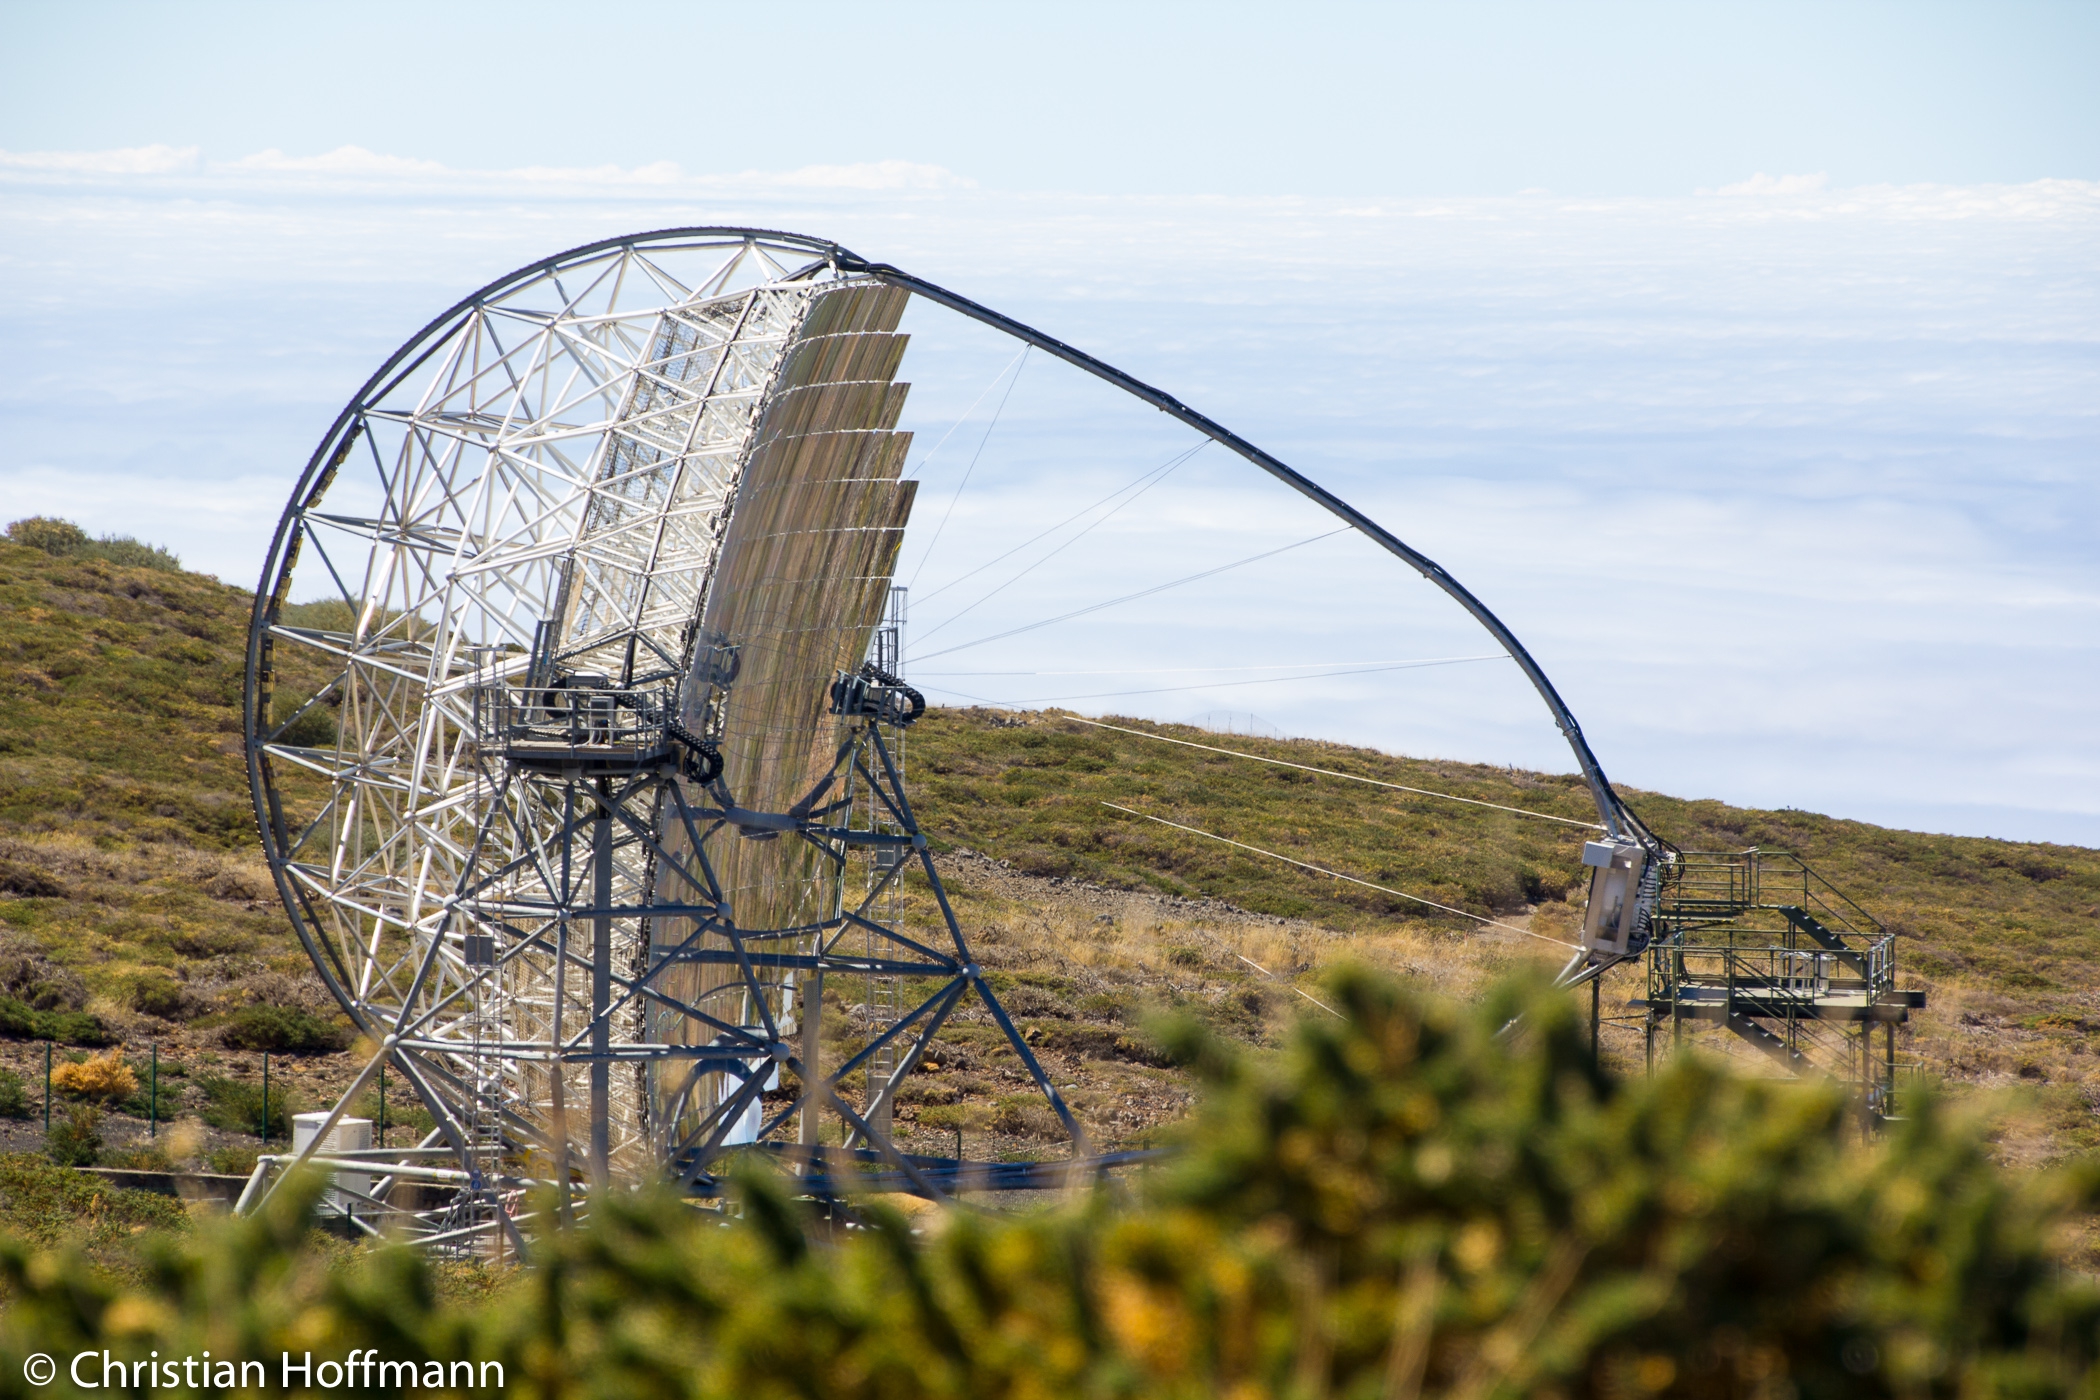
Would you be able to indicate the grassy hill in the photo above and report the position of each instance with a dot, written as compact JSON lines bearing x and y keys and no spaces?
{"x":132,"y":890}
{"x":129,"y":870}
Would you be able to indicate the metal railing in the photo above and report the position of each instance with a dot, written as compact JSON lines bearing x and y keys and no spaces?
{"x":1716,"y":885}
{"x":1773,"y":973}
{"x":573,"y":720}
{"x":1760,"y":923}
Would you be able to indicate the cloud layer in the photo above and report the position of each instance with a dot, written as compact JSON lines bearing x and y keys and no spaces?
{"x":355,"y":163}
{"x":1790,"y":487}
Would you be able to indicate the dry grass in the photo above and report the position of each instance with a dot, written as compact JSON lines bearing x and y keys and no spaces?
{"x":1088,"y":973}
{"x":130,"y":884}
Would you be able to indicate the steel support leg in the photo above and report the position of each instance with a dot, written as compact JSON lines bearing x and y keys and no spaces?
{"x":813,"y":1061}
{"x":1596,"y":1010}
{"x":601,"y":992}
{"x":1888,"y":1089}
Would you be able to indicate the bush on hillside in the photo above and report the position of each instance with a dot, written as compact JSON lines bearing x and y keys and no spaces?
{"x":76,"y":1140}
{"x":39,"y":983}
{"x":68,"y":541}
{"x":158,"y":994}
{"x":285,"y":1030}
{"x":232,"y":1161}
{"x":104,"y":1078}
{"x":321,"y":614}
{"x":22,"y":1022}
{"x":311,"y":728}
{"x":238,"y":1108}
{"x":144,"y":1157}
{"x":52,"y":535}
{"x":14,"y":1096}
{"x":28,"y":882}
{"x":1407,"y":1203}
{"x":56,"y":1206}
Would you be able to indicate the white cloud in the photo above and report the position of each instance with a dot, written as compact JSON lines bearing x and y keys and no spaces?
{"x":1838,"y":435}
{"x":871,"y":175}
{"x":127,"y":160}
{"x":358,"y":164}
{"x":343,"y":160}
{"x":662,"y":172}
{"x":1761,"y":183}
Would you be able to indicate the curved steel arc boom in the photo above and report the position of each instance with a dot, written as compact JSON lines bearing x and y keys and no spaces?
{"x":1618,"y":819}
{"x":533,"y":492}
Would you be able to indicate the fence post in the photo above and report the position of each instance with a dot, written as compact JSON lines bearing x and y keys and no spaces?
{"x":265,"y":1133}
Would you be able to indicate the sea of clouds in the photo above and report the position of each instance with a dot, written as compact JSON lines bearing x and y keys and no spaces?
{"x":1791,"y":489}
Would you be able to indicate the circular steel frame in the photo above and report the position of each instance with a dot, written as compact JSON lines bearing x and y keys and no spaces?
{"x":820,"y":259}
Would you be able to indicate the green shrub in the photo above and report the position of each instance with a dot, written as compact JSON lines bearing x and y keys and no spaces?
{"x":76,"y":1140}
{"x":133,"y":554}
{"x":22,"y":1022}
{"x":68,"y":541}
{"x":945,"y":1115}
{"x":57,"y":1206}
{"x":28,"y":882}
{"x":161,"y":1102}
{"x":52,"y":535}
{"x":238,"y":1107}
{"x":31,"y":978}
{"x":14,"y":1096}
{"x":284,"y":1029}
{"x":157,"y":994}
{"x":313,"y":728}
{"x":147,"y":1157}
{"x":404,"y":1121}
{"x":233,"y":1161}
{"x":1026,"y":1115}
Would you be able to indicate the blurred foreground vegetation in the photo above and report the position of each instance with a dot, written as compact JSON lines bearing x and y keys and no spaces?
{"x":1406,"y":1201}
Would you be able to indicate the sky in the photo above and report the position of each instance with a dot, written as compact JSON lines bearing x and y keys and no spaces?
{"x":1742,"y":358}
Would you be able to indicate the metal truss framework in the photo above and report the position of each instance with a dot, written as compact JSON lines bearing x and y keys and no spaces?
{"x":537,"y":487}
{"x":1759,"y":943}
{"x":535,"y":491}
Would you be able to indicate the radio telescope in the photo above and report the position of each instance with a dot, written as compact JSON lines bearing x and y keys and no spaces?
{"x":618,"y":714}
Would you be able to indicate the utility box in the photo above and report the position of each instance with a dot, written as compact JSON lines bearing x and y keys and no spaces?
{"x":1616,"y":868}
{"x":348,"y":1135}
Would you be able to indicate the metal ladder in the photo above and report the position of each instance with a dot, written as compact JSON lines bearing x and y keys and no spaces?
{"x":484,"y":1117}
{"x":884,"y":995}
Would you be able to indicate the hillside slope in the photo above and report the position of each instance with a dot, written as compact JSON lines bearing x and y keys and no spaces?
{"x":128,"y":855}
{"x":132,"y":889}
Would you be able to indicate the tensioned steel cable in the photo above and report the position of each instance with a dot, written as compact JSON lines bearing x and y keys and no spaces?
{"x":1133,"y":597}
{"x":1609,"y":805}
{"x":1332,"y":773}
{"x":971,"y":470}
{"x":1119,"y":508}
{"x":1202,"y":670}
{"x":1145,"y":480}
{"x":927,"y":460}
{"x":1223,"y":685}
{"x":1351,"y":879}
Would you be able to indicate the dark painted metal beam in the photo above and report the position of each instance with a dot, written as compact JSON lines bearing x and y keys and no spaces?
{"x":1617,"y":818}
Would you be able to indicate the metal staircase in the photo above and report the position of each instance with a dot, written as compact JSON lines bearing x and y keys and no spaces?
{"x":1759,"y":943}
{"x":885,"y":889}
